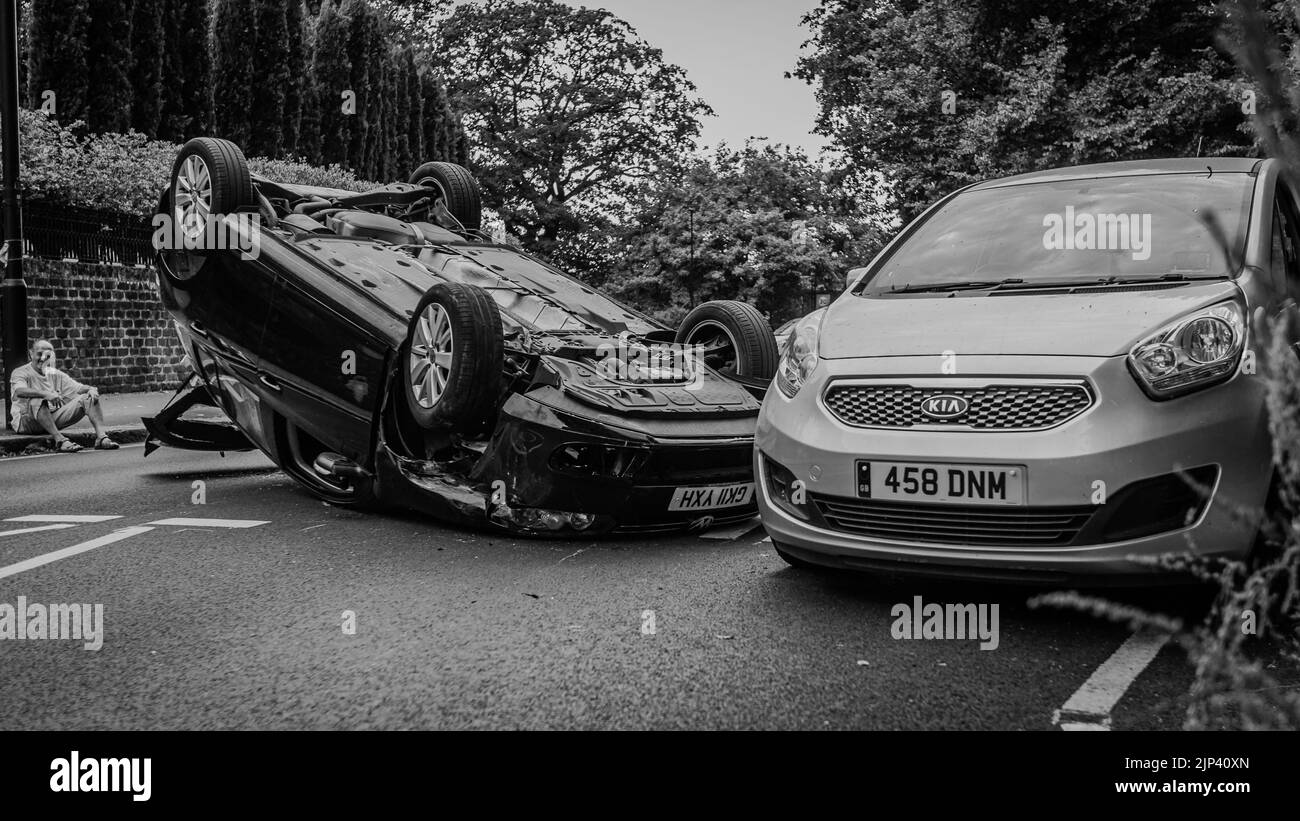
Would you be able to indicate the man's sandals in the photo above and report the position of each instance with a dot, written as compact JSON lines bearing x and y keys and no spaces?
{"x":69,"y":446}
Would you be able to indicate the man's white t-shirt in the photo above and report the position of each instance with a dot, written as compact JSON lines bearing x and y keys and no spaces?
{"x":28,"y":377}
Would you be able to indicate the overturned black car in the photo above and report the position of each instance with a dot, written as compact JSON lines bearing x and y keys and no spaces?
{"x":382,"y":350}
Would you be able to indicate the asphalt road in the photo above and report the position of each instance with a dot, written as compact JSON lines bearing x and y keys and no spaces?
{"x":243,"y":628}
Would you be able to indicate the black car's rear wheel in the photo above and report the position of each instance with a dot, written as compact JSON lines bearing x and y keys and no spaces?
{"x":458,"y":189}
{"x":210,"y":179}
{"x":735,"y":338}
{"x":453,"y":357}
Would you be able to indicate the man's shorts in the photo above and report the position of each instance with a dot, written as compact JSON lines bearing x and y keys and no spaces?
{"x":65,"y":415}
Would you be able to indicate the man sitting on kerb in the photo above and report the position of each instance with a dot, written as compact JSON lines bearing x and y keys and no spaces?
{"x":43,"y":399}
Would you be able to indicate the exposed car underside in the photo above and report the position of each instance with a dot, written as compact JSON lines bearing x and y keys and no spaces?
{"x":404,"y":358}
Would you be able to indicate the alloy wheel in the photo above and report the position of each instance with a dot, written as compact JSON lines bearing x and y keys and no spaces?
{"x":193,"y":196}
{"x":430,"y":355}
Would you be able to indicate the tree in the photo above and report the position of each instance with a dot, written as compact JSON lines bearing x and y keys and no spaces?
{"x":234,"y":33}
{"x":192,"y":116}
{"x":1264,"y":41}
{"x":375,"y":99}
{"x":108,"y":87}
{"x":413,"y":22}
{"x":391,"y":114}
{"x":564,"y":106}
{"x":171,"y":106}
{"x":400,"y":120}
{"x":365,"y":71}
{"x":459,"y":140}
{"x":332,"y":74}
{"x":937,"y":93}
{"x":436,"y":113}
{"x":763,"y":224}
{"x":309,"y":135}
{"x":295,"y":85}
{"x":270,"y":67}
{"x":57,"y":56}
{"x":149,"y":45}
{"x":414,"y":113}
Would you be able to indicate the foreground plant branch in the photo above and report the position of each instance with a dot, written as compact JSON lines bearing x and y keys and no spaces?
{"x":1257,"y":607}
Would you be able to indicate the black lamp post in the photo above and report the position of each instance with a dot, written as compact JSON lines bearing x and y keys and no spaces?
{"x":13,"y":290}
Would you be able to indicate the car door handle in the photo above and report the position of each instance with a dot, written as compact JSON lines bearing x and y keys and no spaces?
{"x":269,"y":382}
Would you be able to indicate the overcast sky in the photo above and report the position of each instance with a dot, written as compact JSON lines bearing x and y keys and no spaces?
{"x":736,"y":52}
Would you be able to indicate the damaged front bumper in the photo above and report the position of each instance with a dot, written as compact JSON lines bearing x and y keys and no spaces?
{"x":552,"y":467}
{"x":552,"y":470}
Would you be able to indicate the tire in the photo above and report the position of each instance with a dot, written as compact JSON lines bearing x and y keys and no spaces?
{"x":460,"y":191}
{"x":471,"y":372}
{"x":231,"y":189}
{"x":749,"y":344}
{"x":1262,"y":553}
{"x":229,"y":180}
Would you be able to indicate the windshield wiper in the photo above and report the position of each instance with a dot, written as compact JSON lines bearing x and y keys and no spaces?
{"x":1170,"y":277}
{"x":940,"y":287}
{"x":1020,"y":284}
{"x":1101,"y":282}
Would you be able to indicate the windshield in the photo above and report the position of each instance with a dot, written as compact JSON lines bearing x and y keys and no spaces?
{"x":1074,"y":232}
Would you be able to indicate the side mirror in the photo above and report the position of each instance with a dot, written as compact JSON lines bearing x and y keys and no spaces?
{"x":852,"y":275}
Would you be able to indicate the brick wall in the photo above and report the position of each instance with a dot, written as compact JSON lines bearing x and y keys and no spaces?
{"x":107,"y":324}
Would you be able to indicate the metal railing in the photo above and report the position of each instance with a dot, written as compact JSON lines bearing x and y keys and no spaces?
{"x":52,"y":231}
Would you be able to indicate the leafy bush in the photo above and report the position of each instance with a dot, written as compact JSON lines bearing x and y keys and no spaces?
{"x":125,"y":172}
{"x":299,"y":172}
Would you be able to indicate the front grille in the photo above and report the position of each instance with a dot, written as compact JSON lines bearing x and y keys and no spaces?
{"x":991,"y":407}
{"x":681,"y":464}
{"x":953,"y":525}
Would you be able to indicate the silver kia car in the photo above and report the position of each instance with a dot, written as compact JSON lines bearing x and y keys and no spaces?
{"x":1042,"y":377}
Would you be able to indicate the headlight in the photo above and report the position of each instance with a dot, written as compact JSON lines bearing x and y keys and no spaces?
{"x":799,"y":359}
{"x":1194,"y":352}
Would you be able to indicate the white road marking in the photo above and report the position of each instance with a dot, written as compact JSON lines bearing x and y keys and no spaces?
{"x":1082,"y":727}
{"x":730,"y":534}
{"x":183,"y":522}
{"x":33,"y":529}
{"x":1089,"y":708}
{"x":76,"y":519}
{"x":28,"y":564}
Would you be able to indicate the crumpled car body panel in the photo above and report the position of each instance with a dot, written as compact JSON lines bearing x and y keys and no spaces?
{"x":300,"y":348}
